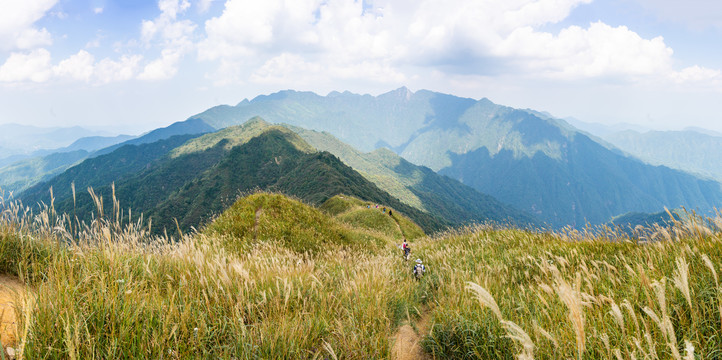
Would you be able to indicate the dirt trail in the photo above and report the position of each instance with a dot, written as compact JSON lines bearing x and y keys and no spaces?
{"x":255,"y":223}
{"x":11,"y":290}
{"x":407,"y":341}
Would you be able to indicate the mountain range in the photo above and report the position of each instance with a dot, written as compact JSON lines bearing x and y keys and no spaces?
{"x":688,"y":150}
{"x":533,"y":162}
{"x":191,"y":178}
{"x":477,"y":161}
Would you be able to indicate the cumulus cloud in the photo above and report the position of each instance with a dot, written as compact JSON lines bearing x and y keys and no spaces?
{"x":33,"y":66}
{"x":163,"y":68}
{"x":36,"y":66}
{"x":382,"y":39}
{"x":16,"y":24}
{"x":172,"y":35}
{"x":77,"y":67}
{"x":696,"y":74}
{"x":125,"y":68}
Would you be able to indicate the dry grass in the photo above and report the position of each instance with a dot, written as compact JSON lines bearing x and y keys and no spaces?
{"x":108,"y":289}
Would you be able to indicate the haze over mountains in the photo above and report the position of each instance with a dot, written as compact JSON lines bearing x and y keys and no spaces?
{"x":515,"y":165}
{"x":532,"y":162}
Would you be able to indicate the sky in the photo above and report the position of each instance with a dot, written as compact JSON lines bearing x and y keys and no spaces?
{"x":134,"y":65}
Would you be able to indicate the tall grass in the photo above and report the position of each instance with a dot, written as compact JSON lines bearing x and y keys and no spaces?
{"x":109,"y":289}
{"x":564,"y":289}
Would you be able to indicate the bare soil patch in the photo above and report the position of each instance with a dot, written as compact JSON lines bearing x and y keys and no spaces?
{"x":11,"y":291}
{"x":407,"y":340}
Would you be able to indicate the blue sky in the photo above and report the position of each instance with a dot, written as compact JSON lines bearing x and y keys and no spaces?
{"x":134,"y":65}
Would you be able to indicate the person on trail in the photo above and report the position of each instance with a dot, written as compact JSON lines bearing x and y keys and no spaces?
{"x":390,"y":212}
{"x":419,"y":269}
{"x":407,"y":250}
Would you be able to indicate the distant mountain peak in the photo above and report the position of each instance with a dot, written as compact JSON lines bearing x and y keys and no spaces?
{"x":256,"y":120}
{"x":702,"y":131}
{"x":402,"y":92}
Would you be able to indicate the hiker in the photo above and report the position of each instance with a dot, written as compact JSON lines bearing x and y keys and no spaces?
{"x":419,"y":269}
{"x":390,"y":212}
{"x":384,"y":209}
{"x":407,"y":250}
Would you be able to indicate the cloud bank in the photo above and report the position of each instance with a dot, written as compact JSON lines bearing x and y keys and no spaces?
{"x":297,"y":42}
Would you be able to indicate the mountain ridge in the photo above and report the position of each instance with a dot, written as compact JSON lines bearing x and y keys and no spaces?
{"x":440,"y":130}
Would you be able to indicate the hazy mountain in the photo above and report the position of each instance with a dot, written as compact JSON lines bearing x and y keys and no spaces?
{"x":602,"y":130}
{"x":86,"y":144}
{"x":529,"y":161}
{"x":24,"y":139}
{"x":191,"y":126}
{"x":703,"y":131}
{"x":25,"y":173}
{"x":42,"y":165}
{"x":93,"y":143}
{"x":691,"y":151}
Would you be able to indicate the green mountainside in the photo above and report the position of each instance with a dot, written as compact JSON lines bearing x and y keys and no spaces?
{"x":532,"y":162}
{"x":685,"y":150}
{"x":277,"y":160}
{"x":44,"y":165}
{"x":191,"y":180}
{"x":418,"y":186}
{"x":25,"y":173}
{"x":103,"y":170}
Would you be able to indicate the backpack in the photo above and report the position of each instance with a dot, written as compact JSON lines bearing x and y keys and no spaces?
{"x":419,"y":270}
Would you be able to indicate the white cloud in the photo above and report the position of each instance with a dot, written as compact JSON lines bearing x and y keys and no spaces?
{"x":33,"y":66}
{"x":286,"y":68}
{"x":600,"y":50}
{"x":387,"y":37}
{"x":80,"y":66}
{"x":16,"y":23}
{"x":125,"y":68}
{"x":163,"y":68}
{"x":36,"y":66}
{"x":697,"y":74}
{"x":173,"y":35}
{"x":97,"y":10}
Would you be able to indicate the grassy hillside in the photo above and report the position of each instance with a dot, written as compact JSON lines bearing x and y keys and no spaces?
{"x":275,"y":278}
{"x":369,"y":215}
{"x":290,"y":224}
